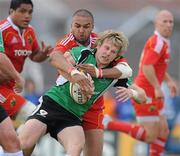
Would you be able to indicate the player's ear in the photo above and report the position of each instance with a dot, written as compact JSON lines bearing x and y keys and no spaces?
{"x":71,"y":28}
{"x":10,"y":11}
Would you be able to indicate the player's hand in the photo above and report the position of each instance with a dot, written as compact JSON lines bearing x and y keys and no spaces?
{"x":173,"y":88}
{"x":46,"y":49}
{"x":19,"y":84}
{"x":91,"y":69}
{"x":85,"y":83}
{"x":159,"y":93}
{"x":123,"y":94}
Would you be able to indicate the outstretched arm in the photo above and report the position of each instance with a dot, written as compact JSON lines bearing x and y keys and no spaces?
{"x":42,"y":53}
{"x":120,"y":71}
{"x":8,"y":70}
{"x":150,"y":75}
{"x":171,"y":84}
{"x":65,"y":68}
{"x":134,"y":92}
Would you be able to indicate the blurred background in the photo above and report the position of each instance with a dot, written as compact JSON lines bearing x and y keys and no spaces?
{"x":51,"y":19}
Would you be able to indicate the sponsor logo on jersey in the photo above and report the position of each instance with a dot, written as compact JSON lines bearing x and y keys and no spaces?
{"x":22,"y":52}
{"x":152,"y":108}
{"x":13,"y":102}
{"x":14,"y":40}
{"x":42,"y":113}
{"x":29,"y":38}
{"x":2,"y":98}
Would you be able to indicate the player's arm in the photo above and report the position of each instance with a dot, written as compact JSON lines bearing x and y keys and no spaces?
{"x":120,"y":71}
{"x":58,"y":60}
{"x":171,"y":84}
{"x":149,"y":73}
{"x":134,"y":92}
{"x":41,"y":54}
{"x":8,"y":69}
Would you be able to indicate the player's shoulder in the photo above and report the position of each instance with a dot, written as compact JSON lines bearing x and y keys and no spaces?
{"x":156,"y":41}
{"x":4,"y":24}
{"x":66,"y":39}
{"x":30,"y":28}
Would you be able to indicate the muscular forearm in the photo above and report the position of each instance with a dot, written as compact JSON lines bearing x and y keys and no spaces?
{"x":141,"y":95}
{"x":167,"y":77}
{"x":39,"y":57}
{"x":111,"y":73}
{"x":59,"y":61}
{"x":7,"y":68}
{"x":150,"y":75}
{"x":120,"y":71}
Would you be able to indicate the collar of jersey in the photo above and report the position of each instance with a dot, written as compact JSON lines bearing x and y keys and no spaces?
{"x":158,"y":34}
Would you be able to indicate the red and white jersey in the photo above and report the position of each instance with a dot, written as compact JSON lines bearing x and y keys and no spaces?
{"x":156,"y":53}
{"x":68,"y":42}
{"x":17,"y":46}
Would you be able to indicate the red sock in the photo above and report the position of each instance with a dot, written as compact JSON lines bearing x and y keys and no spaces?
{"x":133,"y":130}
{"x":157,"y":147}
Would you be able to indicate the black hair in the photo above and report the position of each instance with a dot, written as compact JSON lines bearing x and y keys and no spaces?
{"x":83,"y":12}
{"x":17,"y":3}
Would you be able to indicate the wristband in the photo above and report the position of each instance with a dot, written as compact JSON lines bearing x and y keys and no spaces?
{"x":99,"y":73}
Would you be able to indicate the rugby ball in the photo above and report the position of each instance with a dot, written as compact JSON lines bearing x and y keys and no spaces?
{"x":76,"y":92}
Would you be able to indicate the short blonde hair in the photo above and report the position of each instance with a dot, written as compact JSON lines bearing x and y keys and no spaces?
{"x":117,"y":38}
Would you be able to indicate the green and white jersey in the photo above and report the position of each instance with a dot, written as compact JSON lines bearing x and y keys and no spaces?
{"x":61,"y":93}
{"x":1,"y":43}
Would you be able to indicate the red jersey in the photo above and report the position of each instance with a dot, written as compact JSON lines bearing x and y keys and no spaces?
{"x":17,"y":46}
{"x":156,"y":53}
{"x":68,"y":42}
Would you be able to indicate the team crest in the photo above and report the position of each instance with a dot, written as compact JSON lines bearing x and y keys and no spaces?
{"x":29,"y":39}
{"x":152,"y":108}
{"x":13,"y":102}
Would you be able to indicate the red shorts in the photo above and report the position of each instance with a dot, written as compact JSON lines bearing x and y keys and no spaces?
{"x":148,"y":109}
{"x":10,"y":101}
{"x":92,"y":119}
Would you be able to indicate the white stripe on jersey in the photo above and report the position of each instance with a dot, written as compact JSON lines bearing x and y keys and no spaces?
{"x":69,"y":38}
{"x":2,"y":98}
{"x":159,"y":142}
{"x":147,"y":118}
{"x":4,"y":26}
{"x":140,"y":133}
{"x":159,"y":45}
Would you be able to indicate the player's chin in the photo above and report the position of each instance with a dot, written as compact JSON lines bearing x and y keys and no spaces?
{"x":24,"y":25}
{"x":104,"y":62}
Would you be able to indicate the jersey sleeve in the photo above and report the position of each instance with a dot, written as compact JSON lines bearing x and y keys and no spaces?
{"x":123,"y":83}
{"x":60,"y":47}
{"x":65,"y":44}
{"x":118,"y":60}
{"x":152,"y":51}
{"x":2,"y":49}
